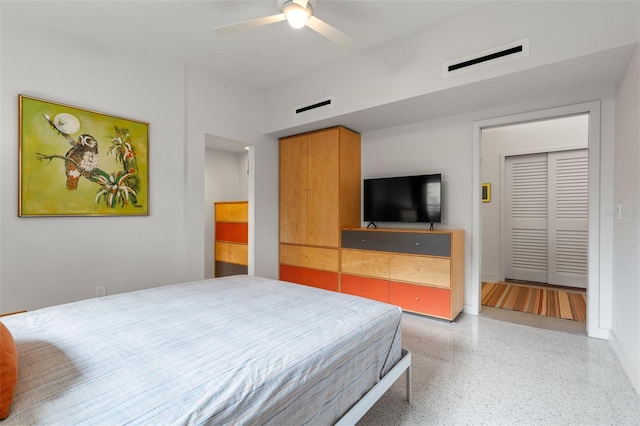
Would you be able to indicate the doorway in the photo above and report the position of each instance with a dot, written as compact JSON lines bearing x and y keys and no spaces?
{"x":227,"y":172}
{"x":479,"y":271}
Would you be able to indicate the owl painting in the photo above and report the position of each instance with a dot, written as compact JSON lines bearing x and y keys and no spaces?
{"x":81,"y":160}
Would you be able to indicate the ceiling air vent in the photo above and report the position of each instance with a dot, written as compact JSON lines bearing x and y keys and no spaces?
{"x":323,"y":103}
{"x":516,"y":49}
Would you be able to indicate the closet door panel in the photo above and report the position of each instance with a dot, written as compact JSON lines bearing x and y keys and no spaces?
{"x":293,"y":190}
{"x":323,"y":198}
{"x":527,"y":217}
{"x":568,"y":218}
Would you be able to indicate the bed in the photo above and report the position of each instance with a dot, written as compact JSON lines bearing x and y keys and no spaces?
{"x":233,"y":350}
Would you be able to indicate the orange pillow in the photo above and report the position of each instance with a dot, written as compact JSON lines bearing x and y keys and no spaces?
{"x":8,"y":370}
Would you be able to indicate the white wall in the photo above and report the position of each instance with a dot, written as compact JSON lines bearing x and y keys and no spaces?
{"x":235,"y":112}
{"x":625,"y":325}
{"x":438,"y":146}
{"x":411,"y":66}
{"x":499,"y":142}
{"x":226,"y":179}
{"x":46,"y":261}
{"x":446,"y":145}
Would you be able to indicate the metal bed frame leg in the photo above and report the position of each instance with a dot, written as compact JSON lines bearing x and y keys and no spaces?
{"x":366,"y":402}
{"x":408,"y":382}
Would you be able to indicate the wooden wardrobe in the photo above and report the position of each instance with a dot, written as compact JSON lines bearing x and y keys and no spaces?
{"x":319,"y":194}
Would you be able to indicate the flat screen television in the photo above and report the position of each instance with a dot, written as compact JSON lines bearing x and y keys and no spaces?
{"x":403,"y":199}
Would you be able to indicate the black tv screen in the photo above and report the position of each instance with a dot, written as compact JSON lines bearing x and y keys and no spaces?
{"x":403,"y":199}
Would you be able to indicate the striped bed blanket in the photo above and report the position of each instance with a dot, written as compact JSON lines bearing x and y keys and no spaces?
{"x":234,"y":350}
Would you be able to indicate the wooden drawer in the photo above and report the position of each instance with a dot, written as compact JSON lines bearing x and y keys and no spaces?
{"x":371,"y":288}
{"x":370,"y":264}
{"x":365,"y":240}
{"x":420,"y":269}
{"x":232,"y":232}
{"x":421,"y":299}
{"x":311,"y":277}
{"x":224,"y":269}
{"x":232,"y":253}
{"x":309,"y":257}
{"x":432,"y":244}
{"x":427,"y":243}
{"x":232,"y":212}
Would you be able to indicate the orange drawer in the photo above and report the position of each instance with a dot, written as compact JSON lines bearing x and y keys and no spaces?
{"x":232,"y":232}
{"x":424,"y":300}
{"x":312,"y":277}
{"x":371,"y":288}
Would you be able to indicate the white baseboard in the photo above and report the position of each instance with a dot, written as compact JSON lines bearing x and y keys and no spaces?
{"x":627,"y":365}
{"x":492,"y":278}
{"x":599,"y":333}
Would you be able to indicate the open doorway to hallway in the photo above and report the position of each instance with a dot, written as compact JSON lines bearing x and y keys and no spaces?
{"x":227,"y":173}
{"x":535,"y":223}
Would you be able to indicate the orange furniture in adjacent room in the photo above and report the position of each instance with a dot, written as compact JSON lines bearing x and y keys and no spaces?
{"x":232,"y":236}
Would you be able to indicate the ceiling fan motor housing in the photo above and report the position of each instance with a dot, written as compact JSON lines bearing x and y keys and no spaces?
{"x":283,"y":4}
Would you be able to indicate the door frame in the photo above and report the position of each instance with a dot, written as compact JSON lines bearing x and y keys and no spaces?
{"x":593,"y":286}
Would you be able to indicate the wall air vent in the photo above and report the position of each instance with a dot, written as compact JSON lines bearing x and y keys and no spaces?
{"x":313,"y":106}
{"x":516,"y":49}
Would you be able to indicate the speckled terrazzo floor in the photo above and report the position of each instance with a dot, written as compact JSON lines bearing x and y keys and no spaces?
{"x":481,"y":371}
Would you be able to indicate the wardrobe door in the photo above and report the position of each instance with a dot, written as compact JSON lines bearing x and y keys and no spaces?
{"x":323,"y":183}
{"x":293,"y":190}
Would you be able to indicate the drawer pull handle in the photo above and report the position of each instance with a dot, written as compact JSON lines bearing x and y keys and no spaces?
{"x":417,"y":299}
{"x":362,"y":288}
{"x":417,"y":244}
{"x":363,"y":240}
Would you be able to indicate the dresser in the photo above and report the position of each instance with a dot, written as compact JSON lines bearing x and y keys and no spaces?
{"x":420,"y":271}
{"x":231,"y":239}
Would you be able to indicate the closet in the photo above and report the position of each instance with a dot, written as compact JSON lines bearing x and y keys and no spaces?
{"x":319,"y":194}
{"x":547,"y":213}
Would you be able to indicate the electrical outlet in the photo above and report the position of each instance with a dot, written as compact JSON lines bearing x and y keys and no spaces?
{"x":101,"y":291}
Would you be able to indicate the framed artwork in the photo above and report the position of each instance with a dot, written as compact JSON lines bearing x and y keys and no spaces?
{"x":75,"y":162}
{"x":486,"y":192}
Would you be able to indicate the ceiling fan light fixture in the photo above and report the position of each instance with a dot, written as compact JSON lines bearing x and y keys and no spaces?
{"x":296,"y":15}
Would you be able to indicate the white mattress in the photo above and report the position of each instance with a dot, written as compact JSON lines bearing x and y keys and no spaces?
{"x":235,"y":350}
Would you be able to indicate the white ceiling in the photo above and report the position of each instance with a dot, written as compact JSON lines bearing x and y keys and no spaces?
{"x":181,"y":31}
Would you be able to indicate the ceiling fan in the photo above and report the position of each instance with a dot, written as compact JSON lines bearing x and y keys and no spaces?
{"x":299,"y":13}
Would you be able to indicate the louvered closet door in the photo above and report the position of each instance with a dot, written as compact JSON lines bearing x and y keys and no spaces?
{"x":547,"y":218}
{"x":568,"y":217}
{"x":527,"y":211}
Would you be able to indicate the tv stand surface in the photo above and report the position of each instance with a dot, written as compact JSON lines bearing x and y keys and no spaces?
{"x":421,"y":271}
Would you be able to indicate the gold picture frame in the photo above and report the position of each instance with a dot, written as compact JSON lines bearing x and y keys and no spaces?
{"x":77,"y":162}
{"x":486,"y":192}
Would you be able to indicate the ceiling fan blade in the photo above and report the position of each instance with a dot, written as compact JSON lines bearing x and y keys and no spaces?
{"x":252,"y":23}
{"x":332,"y":33}
{"x":301,"y":3}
